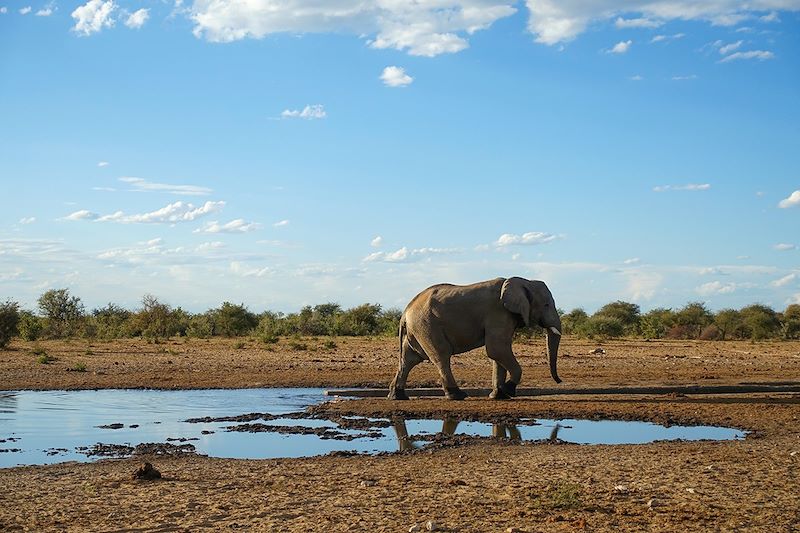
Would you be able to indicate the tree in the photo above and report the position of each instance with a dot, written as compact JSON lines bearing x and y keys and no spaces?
{"x":627,"y":314}
{"x":233,"y":320}
{"x":63,"y":313}
{"x":655,"y":323}
{"x":155,"y":319}
{"x":110,"y":322}
{"x":574,"y":322}
{"x":694,"y":317}
{"x":790,"y":322}
{"x":9,"y":320}
{"x":759,"y":321}
{"x":727,"y":322}
{"x":604,"y":327}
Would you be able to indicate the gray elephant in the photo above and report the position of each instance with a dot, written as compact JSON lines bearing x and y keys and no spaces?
{"x":445,"y":320}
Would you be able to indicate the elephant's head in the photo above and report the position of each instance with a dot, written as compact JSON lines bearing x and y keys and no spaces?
{"x":532,"y":301}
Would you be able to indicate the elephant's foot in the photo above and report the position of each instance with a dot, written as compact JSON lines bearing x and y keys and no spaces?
{"x":454,"y":393}
{"x":397,"y":394}
{"x":499,"y":394}
{"x":509,"y":388}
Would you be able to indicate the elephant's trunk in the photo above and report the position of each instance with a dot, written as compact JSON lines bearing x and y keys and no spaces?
{"x":553,"y":340}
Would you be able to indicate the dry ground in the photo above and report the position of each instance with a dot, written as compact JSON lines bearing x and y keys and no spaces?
{"x":480,"y":485}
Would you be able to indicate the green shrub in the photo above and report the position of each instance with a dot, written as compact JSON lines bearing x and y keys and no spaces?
{"x":656,"y":323}
{"x":604,"y":327}
{"x":109,"y":322}
{"x":9,"y":322}
{"x":233,"y":320}
{"x":30,"y":326}
{"x":238,"y":345}
{"x":63,"y":314}
{"x":78,"y":367}
{"x":200,"y":326}
{"x":43,"y":357}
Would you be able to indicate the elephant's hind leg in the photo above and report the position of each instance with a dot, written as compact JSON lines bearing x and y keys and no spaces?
{"x":439,"y":350}
{"x":409,"y":358}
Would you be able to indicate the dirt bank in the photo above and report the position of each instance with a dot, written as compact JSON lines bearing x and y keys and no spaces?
{"x":479,"y":485}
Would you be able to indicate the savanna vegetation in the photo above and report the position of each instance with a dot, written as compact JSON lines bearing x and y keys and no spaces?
{"x":62,"y":315}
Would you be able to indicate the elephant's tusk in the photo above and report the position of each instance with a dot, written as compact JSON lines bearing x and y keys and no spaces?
{"x":555,"y":330}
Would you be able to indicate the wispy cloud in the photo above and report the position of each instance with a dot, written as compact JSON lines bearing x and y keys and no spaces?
{"x":309,"y":112}
{"x":667,"y":38}
{"x":281,"y":223}
{"x":103,"y":164}
{"x":169,"y":214}
{"x":785,"y":280}
{"x":25,"y":10}
{"x":784,"y":247}
{"x":730,"y":47}
{"x":761,"y":55}
{"x":793,"y":200}
{"x":27,"y":220}
{"x":641,"y":22}
{"x":621,"y":47}
{"x":142,"y":185}
{"x":404,"y":255}
{"x":377,"y":242}
{"x":46,"y":11}
{"x":687,"y":187}
{"x":684,"y":78}
{"x":636,"y":77}
{"x":716,"y":287}
{"x":234,"y":226}
{"x":137,"y":19}
{"x":631,"y":261}
{"x":396,"y":77}
{"x":530,"y":238}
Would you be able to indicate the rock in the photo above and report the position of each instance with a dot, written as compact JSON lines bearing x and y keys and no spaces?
{"x":691,"y":491}
{"x":792,"y":454}
{"x":597,"y":351}
{"x":367,"y":483}
{"x":430,"y":525}
{"x":413,"y":528}
{"x":620,"y":488}
{"x":513,"y":530}
{"x":146,"y":471}
{"x":652,"y":503}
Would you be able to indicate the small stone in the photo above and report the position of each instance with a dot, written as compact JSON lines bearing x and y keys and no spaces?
{"x":430,"y":525}
{"x":652,"y":503}
{"x":367,"y":483}
{"x":146,"y":471}
{"x":620,"y":488}
{"x":691,"y":491}
{"x":513,"y":530}
{"x":414,"y":528}
{"x":792,"y":454}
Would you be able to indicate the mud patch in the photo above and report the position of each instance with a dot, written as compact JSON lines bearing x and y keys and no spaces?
{"x":146,"y":448}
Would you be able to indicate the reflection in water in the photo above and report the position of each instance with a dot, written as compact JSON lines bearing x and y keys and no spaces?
{"x":8,"y":402}
{"x":450,"y":425}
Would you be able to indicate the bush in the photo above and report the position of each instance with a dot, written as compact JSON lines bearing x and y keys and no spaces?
{"x":728,"y":322}
{"x":63,"y":314}
{"x":200,"y":326}
{"x":109,"y":322}
{"x":693,"y":318}
{"x":156,"y":320}
{"x":790,"y":322}
{"x":625,"y":313}
{"x":9,"y":322}
{"x":759,"y":322}
{"x":656,"y":323}
{"x":710,"y":333}
{"x":30,"y":326}
{"x":574,"y":322}
{"x":604,"y":327}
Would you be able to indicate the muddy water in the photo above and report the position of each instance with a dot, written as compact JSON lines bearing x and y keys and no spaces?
{"x":40,"y":427}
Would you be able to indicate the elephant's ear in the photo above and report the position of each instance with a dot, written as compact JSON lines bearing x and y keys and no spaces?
{"x":515,"y":298}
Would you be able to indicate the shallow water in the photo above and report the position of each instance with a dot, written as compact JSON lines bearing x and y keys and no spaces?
{"x":53,"y":426}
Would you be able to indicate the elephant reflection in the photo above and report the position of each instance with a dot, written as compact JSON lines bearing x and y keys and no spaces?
{"x":449,"y":427}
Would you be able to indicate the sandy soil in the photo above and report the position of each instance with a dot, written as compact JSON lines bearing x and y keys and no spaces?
{"x":469,"y":485}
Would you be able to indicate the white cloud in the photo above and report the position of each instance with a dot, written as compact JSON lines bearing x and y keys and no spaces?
{"x":784,"y":247}
{"x":103,"y":164}
{"x":725,"y":49}
{"x":234,"y":226}
{"x":281,"y":223}
{"x":27,"y":220}
{"x":425,"y":28}
{"x":3,"y":10}
{"x":396,"y":77}
{"x":770,"y":17}
{"x":557,"y":21}
{"x":684,"y":78}
{"x":530,"y":238}
{"x":631,"y":261}
{"x":170,"y":214}
{"x":142,"y":185}
{"x":621,"y":47}
{"x":309,"y":112}
{"x":688,"y":187}
{"x":637,"y":23}
{"x":405,"y":255}
{"x":241,"y":269}
{"x":137,"y":19}
{"x":642,"y":285}
{"x":93,"y":16}
{"x":785,"y":280}
{"x":792,"y":201}
{"x":715,"y":287}
{"x":83,"y":214}
{"x":761,"y":55}
{"x":46,"y":11}
{"x":25,"y":10}
{"x":636,"y":77}
{"x":660,"y":38}
{"x":377,"y":242}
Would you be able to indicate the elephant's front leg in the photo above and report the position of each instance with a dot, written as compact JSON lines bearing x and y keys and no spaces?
{"x":498,"y":348}
{"x":498,"y":379}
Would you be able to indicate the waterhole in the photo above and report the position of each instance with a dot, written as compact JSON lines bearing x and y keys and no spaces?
{"x":41,"y":427}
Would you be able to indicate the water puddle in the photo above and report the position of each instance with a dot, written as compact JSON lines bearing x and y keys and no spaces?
{"x":41,"y":427}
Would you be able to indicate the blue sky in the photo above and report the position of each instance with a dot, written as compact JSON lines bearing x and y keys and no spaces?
{"x":284,"y":153}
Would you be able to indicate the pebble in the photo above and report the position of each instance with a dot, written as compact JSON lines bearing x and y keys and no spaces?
{"x":691,"y":491}
{"x":367,"y":483}
{"x":430,"y":525}
{"x":621,"y":488}
{"x":652,"y":503}
{"x":792,"y":454}
{"x":413,"y":528}
{"x":513,"y":530}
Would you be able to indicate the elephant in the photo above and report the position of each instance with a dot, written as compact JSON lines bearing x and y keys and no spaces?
{"x":445,"y":320}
